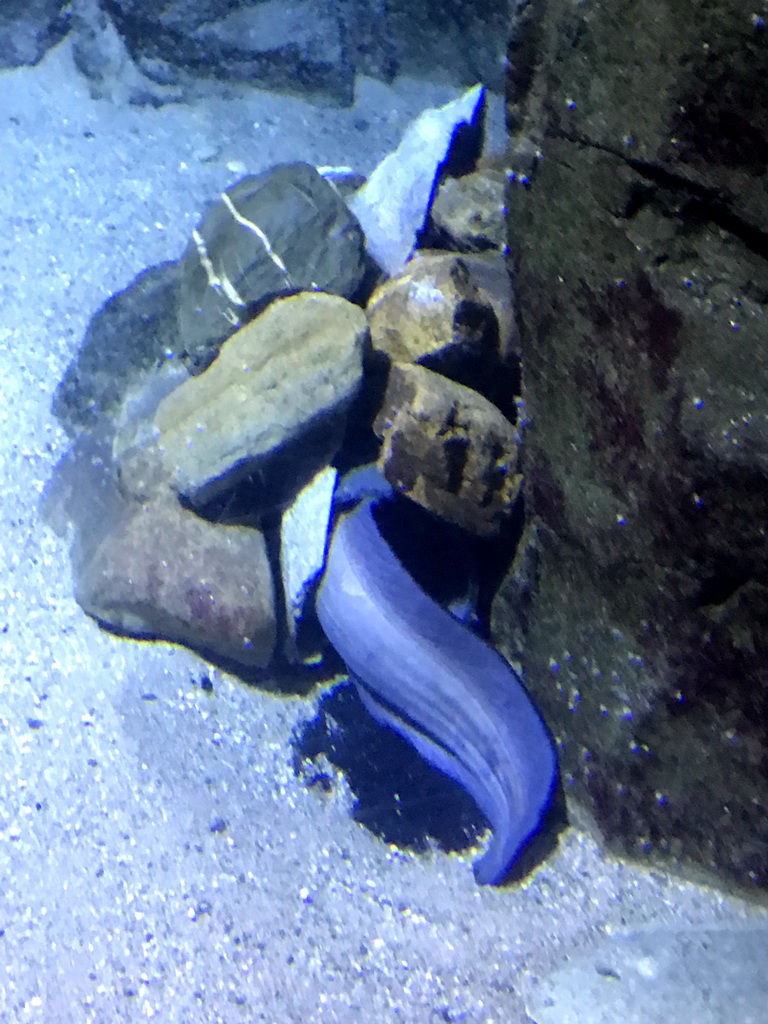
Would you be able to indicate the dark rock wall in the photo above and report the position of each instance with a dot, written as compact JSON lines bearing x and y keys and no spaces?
{"x":638,"y":219}
{"x":145,"y":52}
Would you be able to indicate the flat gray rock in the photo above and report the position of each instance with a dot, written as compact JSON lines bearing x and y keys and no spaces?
{"x":393,"y":205}
{"x":656,"y":977}
{"x":303,"y":540}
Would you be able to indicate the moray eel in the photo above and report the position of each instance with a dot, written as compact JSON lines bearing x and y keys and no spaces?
{"x":452,"y":696}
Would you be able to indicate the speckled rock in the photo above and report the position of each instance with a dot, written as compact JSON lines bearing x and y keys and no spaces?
{"x":471,"y":211}
{"x":638,"y":240}
{"x":163,"y":572}
{"x":273,"y":405}
{"x":439,"y":313}
{"x":448,"y":449}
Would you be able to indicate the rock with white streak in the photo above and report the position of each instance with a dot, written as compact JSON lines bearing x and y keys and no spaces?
{"x":283,"y":231}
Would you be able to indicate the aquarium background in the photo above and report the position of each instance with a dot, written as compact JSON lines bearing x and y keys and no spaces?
{"x":160,"y":855}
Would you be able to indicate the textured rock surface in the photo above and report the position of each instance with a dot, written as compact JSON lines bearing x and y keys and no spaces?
{"x":394,"y":203}
{"x":100,"y":54}
{"x":132,"y":333}
{"x":438,"y":309}
{"x":273,"y":403}
{"x":640,"y":244}
{"x":491,"y":275}
{"x":286,"y":230}
{"x":165,"y":573}
{"x":448,"y":448}
{"x":471,"y":211}
{"x":182,"y":46}
{"x":301,"y":47}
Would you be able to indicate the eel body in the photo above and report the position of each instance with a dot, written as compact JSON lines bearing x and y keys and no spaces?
{"x":439,"y":685}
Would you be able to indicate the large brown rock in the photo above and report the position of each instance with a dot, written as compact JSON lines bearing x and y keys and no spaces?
{"x":434,"y":307}
{"x":273,"y":405}
{"x":638,"y":224}
{"x":454,"y":314}
{"x":163,"y":572}
{"x":448,"y":449}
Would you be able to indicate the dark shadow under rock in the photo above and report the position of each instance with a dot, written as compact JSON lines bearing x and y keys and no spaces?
{"x":134,"y":331}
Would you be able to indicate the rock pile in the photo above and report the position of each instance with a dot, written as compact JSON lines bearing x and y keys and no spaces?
{"x":294,"y":356}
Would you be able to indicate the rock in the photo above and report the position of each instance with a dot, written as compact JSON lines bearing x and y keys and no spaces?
{"x":345,"y":179}
{"x":706,"y":975}
{"x":101,"y":56}
{"x":284,"y":231}
{"x":448,"y":449}
{"x":300,"y":47}
{"x":471,"y":211}
{"x":393,"y":205}
{"x":169,"y":311}
{"x":199,"y":48}
{"x":81,"y":499}
{"x":132,"y":333}
{"x":462,"y":42}
{"x":453,"y":314}
{"x":492,"y":276}
{"x":29,"y":29}
{"x":303,"y":540}
{"x":163,"y":572}
{"x":433,"y":306}
{"x":272,"y":406}
{"x":642,"y":288}
{"x":518,"y":588}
